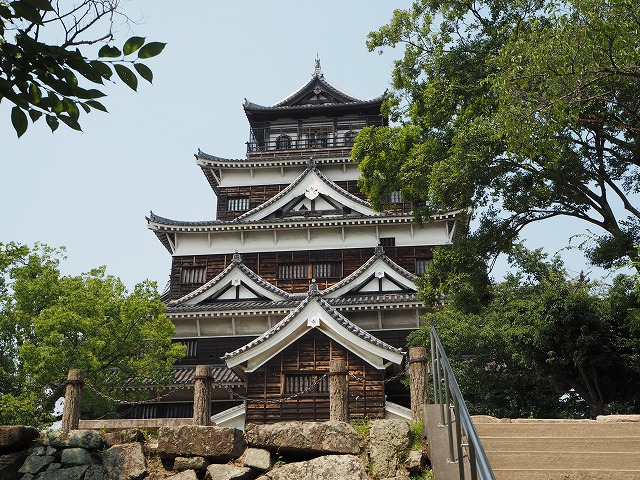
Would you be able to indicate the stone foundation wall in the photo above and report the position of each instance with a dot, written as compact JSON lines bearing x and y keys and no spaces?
{"x":286,"y":450}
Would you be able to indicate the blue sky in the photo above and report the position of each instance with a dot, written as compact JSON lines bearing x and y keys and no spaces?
{"x":90,"y":191}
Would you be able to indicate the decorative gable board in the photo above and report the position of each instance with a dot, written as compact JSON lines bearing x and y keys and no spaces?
{"x":234,"y":283}
{"x":310,"y":187}
{"x":313,"y":313}
{"x":379,"y":274}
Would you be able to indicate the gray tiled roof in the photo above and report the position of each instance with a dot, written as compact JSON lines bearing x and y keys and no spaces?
{"x":184,"y":375}
{"x":329,"y":310}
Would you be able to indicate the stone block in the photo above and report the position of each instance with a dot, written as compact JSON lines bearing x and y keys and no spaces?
{"x":304,"y":437}
{"x":125,"y":462}
{"x":71,"y":473}
{"x":129,"y":435}
{"x":36,"y":463}
{"x":329,"y":467}
{"x":229,"y":472}
{"x":190,"y":463}
{"x":387,"y":439}
{"x":185,"y":475}
{"x":415,"y":461}
{"x":214,"y":443}
{"x":14,"y":438}
{"x":88,"y":439}
{"x":258,"y":459}
{"x":75,"y":456}
{"x":10,"y":463}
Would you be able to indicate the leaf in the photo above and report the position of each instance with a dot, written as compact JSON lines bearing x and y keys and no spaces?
{"x":35,"y":115}
{"x":40,"y":4}
{"x":102,"y":68}
{"x":27,"y":12}
{"x":52,"y":122}
{"x":144,"y":71}
{"x":133,"y":44}
{"x":85,"y":107}
{"x":19,"y":121}
{"x":96,"y":105}
{"x":35,"y":92}
{"x":109,"y":52}
{"x":72,"y":109}
{"x":70,"y":122}
{"x":151,"y":49}
{"x":127,"y":76}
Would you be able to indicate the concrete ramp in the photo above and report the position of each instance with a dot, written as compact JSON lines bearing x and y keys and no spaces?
{"x":603,"y":449}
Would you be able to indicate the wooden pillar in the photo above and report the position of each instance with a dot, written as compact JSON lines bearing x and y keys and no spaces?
{"x":338,"y":408}
{"x":72,"y":400}
{"x":418,"y":382}
{"x":202,"y":396}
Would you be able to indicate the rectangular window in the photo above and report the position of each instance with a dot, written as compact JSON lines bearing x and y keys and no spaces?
{"x":308,"y":270}
{"x":387,"y":241}
{"x":297,"y":383}
{"x":421,"y":265}
{"x":394,"y":197}
{"x":192,"y":347}
{"x":193,"y":275}
{"x":238,"y":204}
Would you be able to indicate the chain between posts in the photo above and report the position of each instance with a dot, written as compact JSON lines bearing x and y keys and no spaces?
{"x":248,"y":399}
{"x":380,"y":382}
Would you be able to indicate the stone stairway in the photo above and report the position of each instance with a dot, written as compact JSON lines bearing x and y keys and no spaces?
{"x":604,"y":449}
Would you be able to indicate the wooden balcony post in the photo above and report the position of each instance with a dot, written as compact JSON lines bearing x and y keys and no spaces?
{"x":72,"y":400}
{"x":418,"y":382}
{"x":202,"y":396}
{"x":338,"y":408}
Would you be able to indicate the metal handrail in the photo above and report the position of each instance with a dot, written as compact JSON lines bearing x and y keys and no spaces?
{"x":445,"y":385}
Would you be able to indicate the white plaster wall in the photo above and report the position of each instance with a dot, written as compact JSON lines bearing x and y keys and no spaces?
{"x":290,"y":239}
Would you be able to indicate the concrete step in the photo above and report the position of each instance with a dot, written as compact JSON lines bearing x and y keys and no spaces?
{"x":562,"y":450}
{"x":559,"y":444}
{"x":575,"y":461}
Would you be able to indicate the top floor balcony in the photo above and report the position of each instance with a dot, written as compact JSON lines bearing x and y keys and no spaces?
{"x":272,"y":140}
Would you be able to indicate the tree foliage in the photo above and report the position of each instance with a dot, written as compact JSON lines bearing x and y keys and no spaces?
{"x":53,"y":78}
{"x":523,"y":109}
{"x":545,"y":345}
{"x":50,"y":323}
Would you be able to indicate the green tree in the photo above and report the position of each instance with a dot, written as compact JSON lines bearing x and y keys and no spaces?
{"x":545,"y":345}
{"x":44,"y":78}
{"x":50,"y":323}
{"x":523,"y":109}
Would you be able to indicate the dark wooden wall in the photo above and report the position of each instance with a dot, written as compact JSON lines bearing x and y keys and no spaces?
{"x":312,"y":354}
{"x":265,"y":264}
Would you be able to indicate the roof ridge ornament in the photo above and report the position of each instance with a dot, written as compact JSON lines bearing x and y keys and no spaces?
{"x":317,"y":71}
{"x":313,"y":288}
{"x":237,"y":258}
{"x":311,"y":163}
{"x":379,"y":250}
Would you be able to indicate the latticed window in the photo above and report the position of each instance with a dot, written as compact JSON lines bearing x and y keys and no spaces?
{"x":238,"y":204}
{"x":421,"y":265}
{"x":394,"y":197}
{"x":301,"y":382}
{"x":387,"y":241}
{"x":192,"y":275}
{"x":192,"y":347}
{"x":307,"y":270}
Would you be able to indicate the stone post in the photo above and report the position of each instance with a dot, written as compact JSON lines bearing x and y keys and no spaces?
{"x":418,"y":382}
{"x":72,"y":400}
{"x":338,"y":408}
{"x":202,"y":396}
